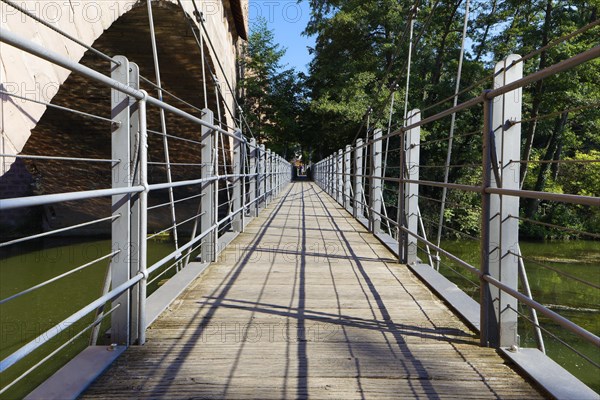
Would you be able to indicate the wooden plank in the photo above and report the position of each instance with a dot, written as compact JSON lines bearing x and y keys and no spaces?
{"x":306,"y":303}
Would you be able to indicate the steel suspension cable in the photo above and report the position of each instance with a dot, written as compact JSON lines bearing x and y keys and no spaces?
{"x":60,"y":31}
{"x":421,"y":33}
{"x":163,"y":123}
{"x":452,"y":125}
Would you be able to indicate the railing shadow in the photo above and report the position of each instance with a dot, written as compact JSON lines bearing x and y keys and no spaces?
{"x":371,"y":341}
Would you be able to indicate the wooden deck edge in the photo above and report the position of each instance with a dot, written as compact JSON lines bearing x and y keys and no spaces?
{"x":158,"y":301}
{"x":79,"y":373}
{"x":551,"y":377}
{"x":459,"y":301}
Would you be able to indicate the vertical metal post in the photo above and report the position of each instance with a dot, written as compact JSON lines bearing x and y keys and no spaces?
{"x":326,"y":176}
{"x":253,"y":169}
{"x":376,"y":183}
{"x":339,"y":177}
{"x":262,"y":181}
{"x":412,"y":150}
{"x":488,"y":324}
{"x":243,"y":181}
{"x":208,"y":250}
{"x":331,"y":176}
{"x":401,"y":214}
{"x":268,"y":175}
{"x":120,"y":263}
{"x":277,"y":173}
{"x":138,"y":176}
{"x":142,"y":230}
{"x":274,"y":176}
{"x":358,"y":187}
{"x":347,"y":179}
{"x":504,"y":230}
{"x":237,"y":169}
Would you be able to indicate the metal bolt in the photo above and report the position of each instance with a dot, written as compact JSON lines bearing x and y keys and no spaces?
{"x":509,"y":124}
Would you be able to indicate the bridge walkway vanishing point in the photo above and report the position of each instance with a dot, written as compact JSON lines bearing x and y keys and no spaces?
{"x":307,"y":303}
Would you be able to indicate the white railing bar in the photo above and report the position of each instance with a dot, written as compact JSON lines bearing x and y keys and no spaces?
{"x":45,"y":337}
{"x":58,"y":158}
{"x":35,"y":49}
{"x":65,"y":229}
{"x":30,"y":201}
{"x":177,"y":201}
{"x":56,"y":106}
{"x":56,"y":278}
{"x":62,"y":346}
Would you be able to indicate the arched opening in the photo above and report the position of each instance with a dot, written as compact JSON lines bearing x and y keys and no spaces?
{"x":69,"y":135}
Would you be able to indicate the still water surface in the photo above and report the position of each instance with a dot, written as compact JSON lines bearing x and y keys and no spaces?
{"x":572,"y":299}
{"x":31,"y":315}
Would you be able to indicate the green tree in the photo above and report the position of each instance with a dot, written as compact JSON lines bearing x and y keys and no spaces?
{"x":360,"y":53}
{"x":273,"y":99}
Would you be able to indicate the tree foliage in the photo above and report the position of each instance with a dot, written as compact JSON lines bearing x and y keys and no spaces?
{"x":273,"y":99}
{"x":360,"y":55}
{"x":360,"y":61}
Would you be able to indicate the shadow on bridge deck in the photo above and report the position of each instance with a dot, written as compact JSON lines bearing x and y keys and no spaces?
{"x":307,"y":303}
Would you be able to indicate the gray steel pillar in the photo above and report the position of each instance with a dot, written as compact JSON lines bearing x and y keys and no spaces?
{"x":278,"y":176}
{"x":411,"y":208}
{"x":358,"y":209}
{"x":347,"y":179}
{"x":502,"y":244}
{"x":339,"y":177}
{"x":331,"y":177}
{"x":262,"y":181}
{"x":268,"y":176}
{"x":238,"y":182}
{"x":253,"y":185}
{"x":208,"y":218}
{"x":121,"y":226}
{"x":376,"y":184}
{"x":135,"y":235}
{"x":327,"y":176}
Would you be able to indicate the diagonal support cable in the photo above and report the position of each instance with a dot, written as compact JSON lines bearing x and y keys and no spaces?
{"x":163,"y":123}
{"x":451,"y":137}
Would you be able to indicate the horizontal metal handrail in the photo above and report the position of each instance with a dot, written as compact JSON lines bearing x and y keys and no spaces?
{"x":37,"y":50}
{"x":45,"y":337}
{"x":45,"y":199}
{"x":60,"y":348}
{"x":56,"y":278}
{"x":55,"y":231}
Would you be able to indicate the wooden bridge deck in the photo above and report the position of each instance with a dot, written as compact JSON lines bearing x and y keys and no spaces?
{"x":307,"y":303}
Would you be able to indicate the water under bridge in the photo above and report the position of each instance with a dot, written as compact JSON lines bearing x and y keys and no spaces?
{"x":276,"y":289}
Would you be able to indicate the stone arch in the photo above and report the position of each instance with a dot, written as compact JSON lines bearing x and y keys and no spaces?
{"x":122,"y":29}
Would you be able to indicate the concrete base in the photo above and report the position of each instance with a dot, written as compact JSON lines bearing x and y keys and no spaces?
{"x":72,"y":379}
{"x":553,"y":378}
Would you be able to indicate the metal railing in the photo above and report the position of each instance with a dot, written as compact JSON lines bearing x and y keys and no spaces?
{"x":358,"y":179}
{"x":236,"y":178}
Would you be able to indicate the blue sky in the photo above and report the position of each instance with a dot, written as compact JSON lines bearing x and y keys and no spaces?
{"x":287,"y":19}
